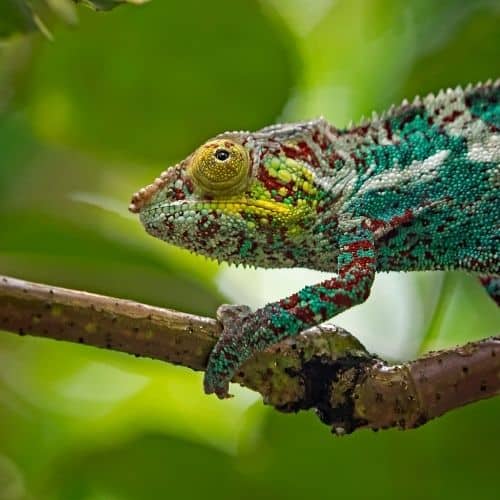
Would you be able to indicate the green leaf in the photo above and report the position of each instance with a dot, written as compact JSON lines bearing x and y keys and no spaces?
{"x":15,"y":16}
{"x":23,"y":16}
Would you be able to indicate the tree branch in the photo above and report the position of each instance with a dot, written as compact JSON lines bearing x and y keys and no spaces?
{"x":325,"y":368}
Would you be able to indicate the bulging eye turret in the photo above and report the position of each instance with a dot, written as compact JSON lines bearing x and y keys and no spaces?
{"x":220,"y":168}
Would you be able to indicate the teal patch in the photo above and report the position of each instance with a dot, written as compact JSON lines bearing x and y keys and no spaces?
{"x":287,"y":322}
{"x":344,"y":259}
{"x":485,"y":104}
{"x":369,"y":253}
{"x":245,"y":248}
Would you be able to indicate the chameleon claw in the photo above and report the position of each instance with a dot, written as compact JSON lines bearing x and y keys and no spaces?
{"x":213,"y":385}
{"x":217,"y":374}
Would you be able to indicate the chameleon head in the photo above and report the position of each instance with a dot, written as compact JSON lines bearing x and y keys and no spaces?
{"x":238,"y":199}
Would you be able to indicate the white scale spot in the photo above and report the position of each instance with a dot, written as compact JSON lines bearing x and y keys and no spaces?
{"x":424,"y":171}
{"x":488,"y":151}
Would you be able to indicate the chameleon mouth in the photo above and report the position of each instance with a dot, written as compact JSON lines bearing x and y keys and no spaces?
{"x":229,"y":206}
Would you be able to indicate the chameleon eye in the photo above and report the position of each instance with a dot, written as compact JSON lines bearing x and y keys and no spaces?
{"x":222,"y":154}
{"x":220,"y":168}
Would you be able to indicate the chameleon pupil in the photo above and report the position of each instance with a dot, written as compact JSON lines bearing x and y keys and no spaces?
{"x":222,"y":154}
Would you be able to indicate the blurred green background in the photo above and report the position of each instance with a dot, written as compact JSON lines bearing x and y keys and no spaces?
{"x":96,"y":109}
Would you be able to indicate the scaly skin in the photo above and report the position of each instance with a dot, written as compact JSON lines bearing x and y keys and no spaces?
{"x":414,"y":189}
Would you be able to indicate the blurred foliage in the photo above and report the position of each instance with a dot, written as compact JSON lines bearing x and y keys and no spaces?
{"x":108,"y":4}
{"x":98,"y":112}
{"x":16,"y":16}
{"x":179,"y":101}
{"x":22,"y":16}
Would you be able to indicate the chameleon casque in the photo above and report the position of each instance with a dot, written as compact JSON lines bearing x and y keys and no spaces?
{"x":416,"y":188}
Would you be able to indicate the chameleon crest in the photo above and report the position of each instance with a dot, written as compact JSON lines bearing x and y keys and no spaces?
{"x":417,"y":188}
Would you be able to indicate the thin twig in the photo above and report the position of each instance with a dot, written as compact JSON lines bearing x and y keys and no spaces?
{"x":325,"y":368}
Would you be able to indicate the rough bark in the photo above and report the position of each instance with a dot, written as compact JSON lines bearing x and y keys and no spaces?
{"x":325,"y":368}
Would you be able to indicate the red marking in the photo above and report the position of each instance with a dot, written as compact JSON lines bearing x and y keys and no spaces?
{"x":374,"y":224}
{"x":304,"y":314}
{"x":290,"y":152}
{"x":453,"y":116}
{"x":357,"y":160}
{"x":485,"y":280}
{"x":333,"y":284}
{"x":387,"y":128}
{"x":269,"y":182}
{"x":357,"y":245}
{"x":360,"y":130}
{"x":399,"y":220}
{"x":342,"y":300}
{"x":361,"y":263}
{"x":289,"y":302}
{"x":351,"y":284}
{"x":179,"y":195}
{"x":307,"y":152}
{"x":333,"y":158}
{"x":320,"y":140}
{"x":339,"y":299}
{"x":394,"y":223}
{"x":320,"y":208}
{"x":301,"y":151}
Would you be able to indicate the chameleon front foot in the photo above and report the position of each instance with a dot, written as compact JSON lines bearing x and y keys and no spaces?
{"x":244,"y":334}
{"x":226,"y":355}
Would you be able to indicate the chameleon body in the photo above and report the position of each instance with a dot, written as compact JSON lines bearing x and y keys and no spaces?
{"x":416,"y":188}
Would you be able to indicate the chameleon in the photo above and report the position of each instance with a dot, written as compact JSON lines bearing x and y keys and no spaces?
{"x":414,"y":188}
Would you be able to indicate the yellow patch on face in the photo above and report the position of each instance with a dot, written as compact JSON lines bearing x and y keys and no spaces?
{"x":251,"y":206}
{"x":220,"y":168}
{"x":266,"y":211}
